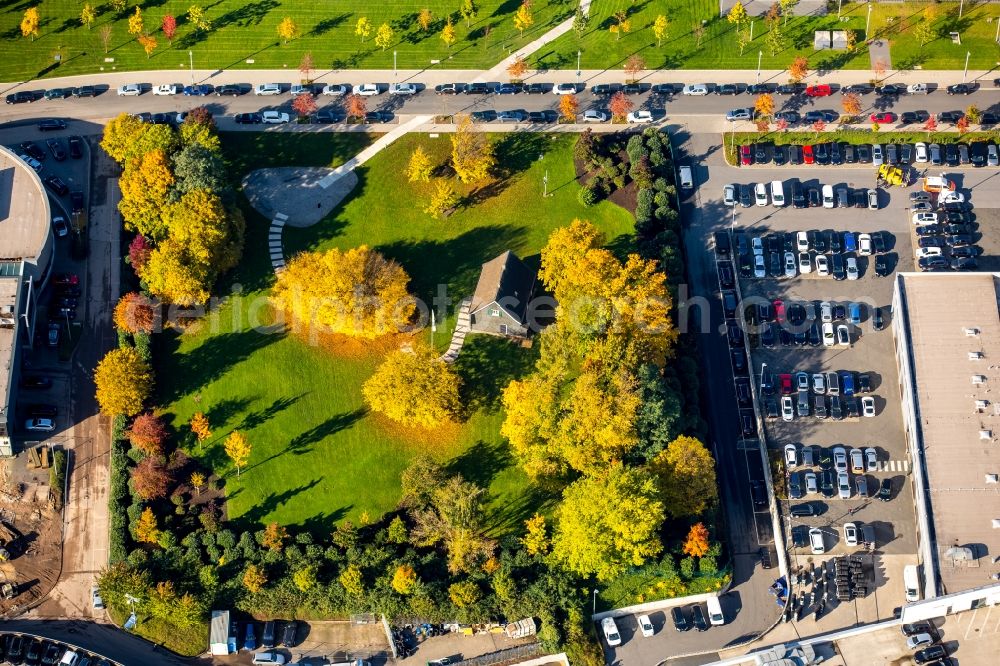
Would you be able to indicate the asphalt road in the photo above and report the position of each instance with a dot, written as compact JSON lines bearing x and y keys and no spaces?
{"x":103,"y":639}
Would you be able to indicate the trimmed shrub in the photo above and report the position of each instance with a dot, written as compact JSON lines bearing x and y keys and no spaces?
{"x":587,"y":195}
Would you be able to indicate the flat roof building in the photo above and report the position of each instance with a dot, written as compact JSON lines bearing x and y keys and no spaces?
{"x":946,"y":330}
{"x":26,"y":247}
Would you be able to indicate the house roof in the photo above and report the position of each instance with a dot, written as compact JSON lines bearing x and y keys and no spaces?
{"x":506,"y":281}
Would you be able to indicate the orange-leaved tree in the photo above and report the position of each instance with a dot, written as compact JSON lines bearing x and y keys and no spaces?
{"x":696,"y":544}
{"x":620,"y":105}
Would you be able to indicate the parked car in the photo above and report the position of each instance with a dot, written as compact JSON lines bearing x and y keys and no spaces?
{"x":366,"y":89}
{"x":402,"y":89}
{"x":610,"y":630}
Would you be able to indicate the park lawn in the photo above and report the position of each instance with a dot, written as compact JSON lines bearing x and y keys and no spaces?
{"x":896,"y":21}
{"x":318,"y":456}
{"x":247,"y":30}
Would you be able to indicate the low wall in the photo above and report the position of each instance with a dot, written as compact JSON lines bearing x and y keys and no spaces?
{"x":656,"y":605}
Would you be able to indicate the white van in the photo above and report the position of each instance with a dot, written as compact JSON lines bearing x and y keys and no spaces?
{"x":816,"y":544}
{"x":777,"y":194}
{"x":911,"y":582}
{"x":69,"y":659}
{"x":715,"y":615}
{"x":687,"y":180}
{"x":917,"y":89}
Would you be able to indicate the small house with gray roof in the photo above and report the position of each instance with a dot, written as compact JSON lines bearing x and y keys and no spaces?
{"x":500,"y":303}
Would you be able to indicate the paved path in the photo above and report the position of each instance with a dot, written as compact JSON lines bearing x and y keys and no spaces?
{"x":374,"y":149}
{"x":461,"y":331}
{"x":879,"y":53}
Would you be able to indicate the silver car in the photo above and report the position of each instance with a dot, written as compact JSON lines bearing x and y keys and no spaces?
{"x":844,"y":485}
{"x":840,"y":458}
{"x":791,"y":268}
{"x":729,"y":195}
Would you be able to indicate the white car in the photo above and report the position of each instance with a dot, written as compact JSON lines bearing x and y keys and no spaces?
{"x":790,"y":269}
{"x":851,"y":264}
{"x":267,"y":89}
{"x":805,"y":264}
{"x":844,"y":485}
{"x":829,"y":338}
{"x":865,"y":245}
{"x":760,"y":194}
{"x":826,"y":311}
{"x":924,"y":252}
{"x":729,"y":195}
{"x":791,"y":455}
{"x":274,"y":118}
{"x":871,"y":458}
{"x":594,"y":116}
{"x":40,"y":425}
{"x":868,"y":409}
{"x":165,"y":89}
{"x":850,"y":534}
{"x":645,"y":626}
{"x":822,"y":265}
{"x":924,"y":218}
{"x":268,"y":657}
{"x":129,"y":90}
{"x":610,"y":630}
{"x":334,"y":90}
{"x":920,"y":153}
{"x":816,"y":541}
{"x":759,"y":269}
{"x":402,"y":89}
{"x":366,"y":89}
{"x":819,"y":383}
{"x":695,"y":89}
{"x":757,"y":244}
{"x":564,"y":89}
{"x":951,"y":197}
{"x":787,"y":408}
{"x":857,"y":461}
{"x":840,"y":459}
{"x":812,"y":486}
{"x":802,"y":241}
{"x":843,"y":336}
{"x":828,"y":201}
{"x":640,"y":117}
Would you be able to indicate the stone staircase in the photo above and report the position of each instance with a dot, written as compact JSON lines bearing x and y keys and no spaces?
{"x":461,"y":330}
{"x":274,"y":241}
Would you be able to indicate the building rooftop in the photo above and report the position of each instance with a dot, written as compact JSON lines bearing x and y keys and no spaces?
{"x":23,"y":202}
{"x":507,"y":281}
{"x":953,"y":320}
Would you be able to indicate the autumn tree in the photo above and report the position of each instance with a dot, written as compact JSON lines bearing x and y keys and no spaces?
{"x":580,"y":22}
{"x":764,"y":105}
{"x":198,"y":481}
{"x":88,"y":15}
{"x":138,"y":252}
{"x":420,"y":166}
{"x":148,"y":434}
{"x":633,"y":65}
{"x":696,"y":544}
{"x":172,"y":274}
{"x":622,"y":24}
{"x":126,"y":137}
{"x":104,"y":34}
{"x":924,"y":31}
{"x":135,"y":313}
{"x":196,"y":17}
{"x":443,"y":198}
{"x":660,"y":25}
{"x":536,"y":538}
{"x":448,"y":35}
{"x":150,"y":478}
{"x":472,"y":153}
{"x":464,"y":593}
{"x":424,"y":18}
{"x":124,"y":382}
{"x":148,"y":44}
{"x":254,"y":578}
{"x":306,"y":66}
{"x":798,"y":69}
{"x":288,"y":29}
{"x":168,"y":26}
{"x":146,"y":529}
{"x":30,"y":23}
{"x":468,"y":11}
{"x":145,"y":184}
{"x":305,"y":578}
{"x":352,"y":580}
{"x":818,"y":126}
{"x":698,"y":30}
{"x":569,"y":106}
{"x":355,"y":105}
{"x":974,"y":115}
{"x":274,"y":537}
{"x":135,"y":23}
{"x":119,"y":6}
{"x":383,"y":36}
{"x":517,"y":69}
{"x":608,"y":524}
{"x":414,"y":388}
{"x":404,"y":579}
{"x":523,"y":18}
{"x":737,"y":16}
{"x":304,"y":105}
{"x":686,"y":471}
{"x":930,"y":126}
{"x":851,"y":103}
{"x":238,"y":449}
{"x":363,"y":28}
{"x":200,"y":427}
{"x":620,"y":105}
{"x":781,"y":125}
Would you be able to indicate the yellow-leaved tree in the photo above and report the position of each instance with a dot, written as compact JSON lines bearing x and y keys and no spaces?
{"x":172,"y":274}
{"x":146,"y":530}
{"x":144,"y":185}
{"x":607,"y":524}
{"x":414,"y":388}
{"x":254,"y":578}
{"x":127,"y":136}
{"x":30,"y":23}
{"x":404,"y":579}
{"x":124,"y":382}
{"x":209,"y":233}
{"x":472,"y":154}
{"x":686,"y":471}
{"x":238,"y":449}
{"x":357,"y":292}
{"x":420,"y":166}
{"x":288,"y":29}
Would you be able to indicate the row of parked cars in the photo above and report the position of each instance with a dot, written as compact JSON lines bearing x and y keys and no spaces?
{"x":836,"y":258}
{"x":17,"y":649}
{"x":945,"y":237}
{"x":833,"y":477}
{"x":924,"y":638}
{"x":985,"y":119}
{"x":975,"y":153}
{"x":699,"y":616}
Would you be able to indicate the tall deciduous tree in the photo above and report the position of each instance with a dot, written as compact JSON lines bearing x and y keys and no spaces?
{"x":88,"y":15}
{"x":124,"y":382}
{"x":148,"y":43}
{"x":634,"y":64}
{"x":238,"y":449}
{"x":798,"y":69}
{"x":569,"y":106}
{"x":306,"y":66}
{"x":764,"y":105}
{"x":696,"y":544}
{"x":523,"y":18}
{"x":660,"y":25}
{"x":254,"y":578}
{"x":145,"y":184}
{"x":104,"y":33}
{"x":126,"y":137}
{"x":200,"y":427}
{"x":420,"y":166}
{"x":737,"y":15}
{"x":150,"y":478}
{"x":135,"y":313}
{"x":168,"y":26}
{"x":304,"y":105}
{"x":274,"y":537}
{"x":196,"y":17}
{"x":176,"y":277}
{"x":580,"y":22}
{"x":851,"y":103}
{"x":210,"y":233}
{"x":383,"y":36}
{"x":363,"y":28}
{"x":135,"y":23}
{"x":472,"y":153}
{"x":146,"y":528}
{"x":148,"y":434}
{"x":469,"y":11}
{"x":414,"y":388}
{"x":686,"y":471}
{"x":288,"y":29}
{"x":30,"y":23}
{"x":355,"y":106}
{"x":518,"y":68}
{"x":620,"y":105}
{"x":404,"y":579}
{"x":536,"y":538}
{"x":448,"y":35}
{"x":424,"y":18}
{"x":443,"y":198}
{"x":622,"y":24}
{"x":607,"y":524}
{"x":455,"y":517}
{"x":356,"y":292}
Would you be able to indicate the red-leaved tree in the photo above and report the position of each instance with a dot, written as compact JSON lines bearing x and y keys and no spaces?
{"x":620,"y":105}
{"x":304,"y":105}
{"x":135,"y":313}
{"x":200,"y":115}
{"x":930,"y":125}
{"x":138,"y":252}
{"x":151,"y":479}
{"x":169,"y":27}
{"x":148,"y":433}
{"x":355,"y":105}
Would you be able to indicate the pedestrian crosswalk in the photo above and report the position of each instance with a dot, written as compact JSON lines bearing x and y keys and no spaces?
{"x":894,"y":466}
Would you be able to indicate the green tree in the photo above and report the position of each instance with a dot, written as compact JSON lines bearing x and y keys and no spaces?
{"x":686,"y":471}
{"x":305,"y":578}
{"x":88,"y":15}
{"x":607,"y":524}
{"x":580,"y":22}
{"x":469,"y":11}
{"x":456,"y":519}
{"x":464,"y":594}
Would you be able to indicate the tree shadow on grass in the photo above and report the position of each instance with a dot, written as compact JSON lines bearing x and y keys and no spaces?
{"x":262,"y":416}
{"x":481,"y":463}
{"x":246,"y":15}
{"x":328,"y":24}
{"x":268,"y":505}
{"x":323,"y":524}
{"x":302,"y":443}
{"x":220,"y":413}
{"x":509,"y":517}
{"x":487,"y":365}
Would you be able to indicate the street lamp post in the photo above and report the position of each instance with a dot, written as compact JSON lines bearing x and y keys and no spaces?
{"x":760,"y":54}
{"x":545,"y":184}
{"x":578,"y":63}
{"x":997,"y":38}
{"x":394,"y":72}
{"x":868,"y":23}
{"x":595,"y":602}
{"x":961,"y":6}
{"x":839,"y":3}
{"x":191,"y":60}
{"x":965,"y":74}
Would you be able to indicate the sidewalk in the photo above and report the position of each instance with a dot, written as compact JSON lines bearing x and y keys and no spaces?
{"x":432,"y":77}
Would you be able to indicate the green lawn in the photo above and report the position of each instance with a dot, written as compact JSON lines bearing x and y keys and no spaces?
{"x":247,"y":29}
{"x":318,"y":457}
{"x":719,"y":48}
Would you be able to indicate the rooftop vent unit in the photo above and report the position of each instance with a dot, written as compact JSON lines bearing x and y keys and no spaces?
{"x":971,"y":332}
{"x":975,"y":356}
{"x":985,"y":434}
{"x":978,"y":379}
{"x":6,"y":310}
{"x":982,"y":404}
{"x":992,"y":478}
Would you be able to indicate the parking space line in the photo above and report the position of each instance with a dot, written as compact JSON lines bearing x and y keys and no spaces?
{"x":989,"y":610}
{"x":971,"y":621}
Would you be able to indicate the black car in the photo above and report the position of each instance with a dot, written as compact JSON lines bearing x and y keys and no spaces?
{"x":747,"y":425}
{"x":230,"y":90}
{"x":325,"y":116}
{"x":817,"y":116}
{"x":698,"y":617}
{"x":930,"y":241}
{"x":864,"y":379}
{"x":950,"y":116}
{"x":51,"y":125}
{"x":289,"y":634}
{"x":815,"y":339}
{"x":14,"y":652}
{"x":85,"y":91}
{"x":606,"y":88}
{"x":666,"y":88}
{"x":803,"y":510}
{"x":143,"y":116}
{"x":957,"y":228}
{"x":977,"y":153}
{"x":908,"y":118}
{"x":864,"y":153}
{"x":885,"y":490}
{"x":483,"y":116}
{"x":767,"y":337}
{"x":542,"y":117}
{"x":449,"y":88}
{"x":373,"y":117}
{"x":58,"y":93}
{"x":878,"y":242}
{"x":905,"y":153}
{"x":679,"y":618}
{"x":739,"y":359}
{"x":860,"y":198}
{"x":512,"y":116}
{"x":956,"y":240}
{"x":722,"y":246}
{"x":881,"y":265}
{"x":791,"y":89}
{"x":966,"y":251}
{"x":961,"y":89}
{"x":988,"y":118}
{"x":162,"y":118}
{"x":837,"y":267}
{"x":758,"y":493}
{"x":746,"y":196}
{"x":75,"y":147}
{"x":53,"y":653}
{"x":790,"y":117}
{"x":727,"y":89}
{"x":836,"y":154}
{"x":857,"y":89}
{"x":930,"y":230}
{"x":818,"y":239}
{"x":813,"y":197}
{"x":632,"y":88}
{"x":509,"y":88}
{"x":33,"y":655}
{"x":35,"y":382}
{"x":30,"y":149}
{"x":760,"y":153}
{"x":932,"y":263}
{"x":57,"y":150}
{"x":255,"y":118}
{"x":778,"y":155}
{"x":798,"y":195}
{"x":890,"y":89}
{"x":821,"y":153}
{"x":929,"y":654}
{"x":479,"y":89}
{"x":963,"y":263}
{"x":56,"y":184}
{"x":760,"y":88}
{"x":20,"y":97}
{"x":538,"y":88}
{"x":726,"y":278}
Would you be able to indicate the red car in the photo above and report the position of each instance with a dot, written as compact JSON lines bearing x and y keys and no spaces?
{"x":818,"y":91}
{"x":67,"y":278}
{"x":779,"y":311}
{"x":786,"y":384}
{"x":746,"y":157}
{"x":807,"y":155}
{"x":884,"y":117}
